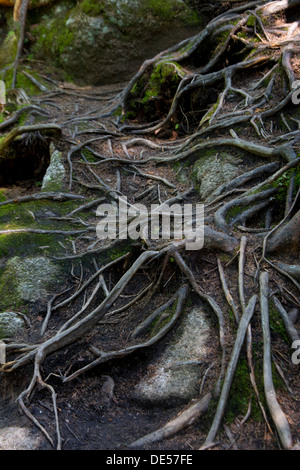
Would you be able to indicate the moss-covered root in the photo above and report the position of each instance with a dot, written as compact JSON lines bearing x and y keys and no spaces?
{"x":52,"y":129}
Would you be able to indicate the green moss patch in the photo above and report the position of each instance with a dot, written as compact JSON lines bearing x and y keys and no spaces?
{"x":8,"y":49}
{"x":152,"y":95}
{"x":27,"y":280}
{"x":276,"y":323}
{"x":34,"y":215}
{"x":23,"y":82}
{"x":283,"y":183}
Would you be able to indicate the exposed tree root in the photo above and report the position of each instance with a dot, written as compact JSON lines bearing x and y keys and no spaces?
{"x":108,"y":356}
{"x":186,"y":418}
{"x":20,"y":14}
{"x":277,"y":414}
{"x":50,"y":129}
{"x":236,"y":77}
{"x":243,"y":325}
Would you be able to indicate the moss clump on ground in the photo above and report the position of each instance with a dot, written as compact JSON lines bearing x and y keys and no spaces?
{"x":282,"y":183}
{"x":34,"y":214}
{"x":88,"y":156}
{"x":234,"y":212}
{"x":163,"y":74}
{"x":154,"y":92}
{"x":242,"y":390}
{"x":241,"y":393}
{"x":2,"y":195}
{"x":30,"y":243}
{"x":23,"y":82}
{"x":122,"y":248}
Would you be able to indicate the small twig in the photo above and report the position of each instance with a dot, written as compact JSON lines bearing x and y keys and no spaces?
{"x":241,"y":271}
{"x":227,"y":292}
{"x":88,"y":282}
{"x":86,"y":206}
{"x":49,"y":309}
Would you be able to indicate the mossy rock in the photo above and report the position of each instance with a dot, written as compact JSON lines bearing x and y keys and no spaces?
{"x":174,"y":378}
{"x":106,"y":41}
{"x":212,"y":170}
{"x":54,"y":179}
{"x":34,"y":215}
{"x":8,"y":49}
{"x":27,"y":280}
{"x":10,"y":324}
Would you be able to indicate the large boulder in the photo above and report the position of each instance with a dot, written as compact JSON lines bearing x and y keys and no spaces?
{"x":106,"y":41}
{"x":175,"y":377}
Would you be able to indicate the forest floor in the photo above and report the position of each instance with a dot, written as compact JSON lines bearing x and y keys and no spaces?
{"x":85,"y":422}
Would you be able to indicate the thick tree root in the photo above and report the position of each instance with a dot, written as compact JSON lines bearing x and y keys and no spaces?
{"x":186,"y":418}
{"x":48,"y":129}
{"x":277,"y":414}
{"x":243,"y":325}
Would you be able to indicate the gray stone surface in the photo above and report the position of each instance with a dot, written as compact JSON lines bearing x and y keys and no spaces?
{"x":54,"y":178}
{"x":10,"y":324}
{"x":106,"y":42}
{"x":210,"y":172}
{"x":177,"y":374}
{"x":33,"y":277}
{"x":18,"y":438}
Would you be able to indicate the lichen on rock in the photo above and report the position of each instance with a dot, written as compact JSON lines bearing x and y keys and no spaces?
{"x":54,"y":178}
{"x":19,"y":438}
{"x":177,"y":374}
{"x":106,"y":41}
{"x":27,"y":279}
{"x":10,"y":324}
{"x":210,"y":172}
